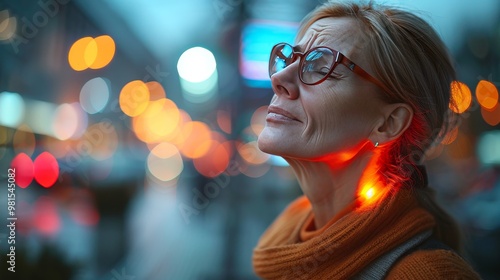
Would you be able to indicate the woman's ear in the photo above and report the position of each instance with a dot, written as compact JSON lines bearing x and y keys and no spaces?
{"x":397,"y":118}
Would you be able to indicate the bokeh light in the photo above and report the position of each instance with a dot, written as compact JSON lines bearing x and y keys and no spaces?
{"x":66,"y":121}
{"x":24,"y":140}
{"x":165,"y":162}
{"x":252,"y":170}
{"x":41,"y":117}
{"x":105,"y":46}
{"x":198,"y":75}
{"x":83,"y":211}
{"x":278,"y":161}
{"x":94,"y":95}
{"x":100,"y":140}
{"x":46,"y":169}
{"x":197,"y":141}
{"x":134,"y":98}
{"x":56,"y":147}
{"x":258,"y":121}
{"x":450,"y":136}
{"x":491,"y":117}
{"x":8,"y":25}
{"x":224,"y":121}
{"x":91,"y":53}
{"x":24,"y":169}
{"x":215,"y":161}
{"x":251,"y":153}
{"x":257,"y":40}
{"x":11,"y":109}
{"x":156,"y":91}
{"x":461,"y":94}
{"x":45,"y":217}
{"x":488,"y":147}
{"x":158,"y":122}
{"x":181,"y":132}
{"x":196,"y":65}
{"x":487,"y":94}
{"x":78,"y":52}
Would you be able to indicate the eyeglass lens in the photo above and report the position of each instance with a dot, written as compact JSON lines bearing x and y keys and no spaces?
{"x":315,"y":66}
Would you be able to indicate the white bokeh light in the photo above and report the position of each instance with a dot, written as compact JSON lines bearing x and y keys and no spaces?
{"x":196,"y":65}
{"x":11,"y":109}
{"x":94,"y":95}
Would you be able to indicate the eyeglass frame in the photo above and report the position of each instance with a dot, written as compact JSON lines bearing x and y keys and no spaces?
{"x":340,"y":58}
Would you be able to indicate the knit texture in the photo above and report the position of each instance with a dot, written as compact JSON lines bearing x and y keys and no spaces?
{"x":346,"y":246}
{"x":435,"y":264}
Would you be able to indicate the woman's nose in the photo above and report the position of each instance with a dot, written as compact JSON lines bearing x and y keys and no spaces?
{"x":286,"y":82}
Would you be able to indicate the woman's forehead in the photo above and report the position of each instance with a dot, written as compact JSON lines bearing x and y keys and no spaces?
{"x":342,"y":34}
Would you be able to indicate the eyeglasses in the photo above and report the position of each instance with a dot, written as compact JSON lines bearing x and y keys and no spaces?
{"x":316,"y":65}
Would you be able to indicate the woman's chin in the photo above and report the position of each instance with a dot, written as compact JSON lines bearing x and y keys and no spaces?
{"x":267,"y":145}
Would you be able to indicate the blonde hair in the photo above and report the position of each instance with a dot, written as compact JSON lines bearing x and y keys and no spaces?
{"x":408,"y":56}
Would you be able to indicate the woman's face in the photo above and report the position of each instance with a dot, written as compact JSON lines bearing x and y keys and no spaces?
{"x":333,"y":118}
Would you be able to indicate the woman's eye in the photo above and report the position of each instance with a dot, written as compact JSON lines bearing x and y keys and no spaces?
{"x":323,"y":71}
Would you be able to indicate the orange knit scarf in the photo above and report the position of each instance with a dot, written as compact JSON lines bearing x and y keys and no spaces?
{"x":343,"y":247}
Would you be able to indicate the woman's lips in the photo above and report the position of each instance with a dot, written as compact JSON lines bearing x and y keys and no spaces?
{"x":277,"y":114}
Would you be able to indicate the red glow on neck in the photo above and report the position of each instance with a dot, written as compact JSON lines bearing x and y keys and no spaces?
{"x":371,"y":188}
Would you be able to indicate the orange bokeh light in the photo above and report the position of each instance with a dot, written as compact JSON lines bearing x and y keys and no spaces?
{"x":491,"y":117}
{"x":156,"y":90}
{"x":134,"y":98}
{"x":91,"y":53}
{"x":76,"y":55}
{"x":461,"y":94}
{"x":252,"y":170}
{"x":159,"y":122}
{"x":258,"y":121}
{"x":215,"y":161}
{"x":104,"y":52}
{"x":450,"y":136}
{"x":251,"y":153}
{"x":224,"y":121}
{"x":487,"y":94}
{"x":101,"y":139}
{"x":197,"y":141}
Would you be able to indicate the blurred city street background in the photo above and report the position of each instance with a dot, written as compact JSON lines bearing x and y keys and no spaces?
{"x":132,"y":128}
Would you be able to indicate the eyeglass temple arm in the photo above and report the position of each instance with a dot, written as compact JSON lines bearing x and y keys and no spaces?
{"x":358,"y":70}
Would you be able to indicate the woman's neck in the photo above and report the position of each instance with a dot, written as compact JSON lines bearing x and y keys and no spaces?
{"x":331,"y":184}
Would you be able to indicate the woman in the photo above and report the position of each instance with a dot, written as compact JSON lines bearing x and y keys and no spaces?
{"x":358,"y":99}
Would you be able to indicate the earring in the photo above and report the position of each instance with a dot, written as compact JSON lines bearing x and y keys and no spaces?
{"x":376,"y":144}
